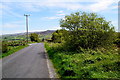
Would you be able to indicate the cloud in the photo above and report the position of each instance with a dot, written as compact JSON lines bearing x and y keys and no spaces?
{"x":101,"y":5}
{"x":65,"y":5}
{"x":94,"y":5}
{"x":60,"y":13}
{"x":54,"y":17}
{"x":50,"y":1}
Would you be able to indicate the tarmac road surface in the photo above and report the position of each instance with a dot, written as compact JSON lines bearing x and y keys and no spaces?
{"x":29,"y":62}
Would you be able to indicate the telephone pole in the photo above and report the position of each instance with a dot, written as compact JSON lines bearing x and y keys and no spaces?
{"x":26,"y":26}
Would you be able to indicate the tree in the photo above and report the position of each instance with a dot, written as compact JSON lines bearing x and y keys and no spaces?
{"x":58,"y":36}
{"x":87,"y":30}
{"x":34,"y":37}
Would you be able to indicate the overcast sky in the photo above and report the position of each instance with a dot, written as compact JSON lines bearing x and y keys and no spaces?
{"x":46,"y":14}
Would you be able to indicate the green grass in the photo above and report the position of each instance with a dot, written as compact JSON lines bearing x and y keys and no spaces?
{"x":99,"y":63}
{"x":12,"y":50}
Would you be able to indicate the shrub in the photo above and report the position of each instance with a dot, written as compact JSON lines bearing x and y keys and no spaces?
{"x":58,"y":36}
{"x":87,"y":30}
{"x":34,"y":37}
{"x":4,"y":47}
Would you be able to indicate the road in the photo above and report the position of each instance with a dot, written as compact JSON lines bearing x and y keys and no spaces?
{"x":29,"y":62}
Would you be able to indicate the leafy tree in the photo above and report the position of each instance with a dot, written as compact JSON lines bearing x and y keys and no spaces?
{"x":58,"y":36}
{"x":87,"y":30}
{"x":34,"y":37}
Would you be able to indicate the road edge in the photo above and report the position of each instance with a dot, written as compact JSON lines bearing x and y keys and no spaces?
{"x":51,"y":70}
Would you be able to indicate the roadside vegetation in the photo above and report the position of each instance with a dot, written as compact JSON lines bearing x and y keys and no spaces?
{"x":11,"y":47}
{"x":34,"y":37}
{"x":11,"y":44}
{"x":87,"y":47}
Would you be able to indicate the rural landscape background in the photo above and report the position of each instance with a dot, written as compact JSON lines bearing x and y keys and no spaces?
{"x":81,"y":39}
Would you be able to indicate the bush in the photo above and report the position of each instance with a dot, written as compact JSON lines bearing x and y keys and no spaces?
{"x":87,"y":30}
{"x":58,"y":36}
{"x":34,"y":37}
{"x":4,"y":47}
{"x":16,"y":43}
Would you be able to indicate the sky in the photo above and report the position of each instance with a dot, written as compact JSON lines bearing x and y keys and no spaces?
{"x":46,"y":14}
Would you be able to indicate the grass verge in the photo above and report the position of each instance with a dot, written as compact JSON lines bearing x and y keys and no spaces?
{"x":99,"y":63}
{"x":12,"y":50}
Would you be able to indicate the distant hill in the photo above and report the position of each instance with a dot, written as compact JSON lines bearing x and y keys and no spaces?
{"x":45,"y":32}
{"x":42,"y":34}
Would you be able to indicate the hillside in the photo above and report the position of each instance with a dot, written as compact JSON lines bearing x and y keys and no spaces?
{"x":21,"y":36}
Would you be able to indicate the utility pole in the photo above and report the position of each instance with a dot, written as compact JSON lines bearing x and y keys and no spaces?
{"x":26,"y":26}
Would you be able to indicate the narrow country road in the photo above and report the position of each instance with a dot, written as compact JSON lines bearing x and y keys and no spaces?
{"x":29,"y":62}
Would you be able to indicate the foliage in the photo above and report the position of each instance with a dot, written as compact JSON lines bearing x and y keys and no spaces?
{"x":9,"y":47}
{"x":58,"y":36}
{"x":117,"y":41}
{"x":85,"y":49}
{"x":89,"y":63}
{"x":34,"y":37}
{"x":12,"y":49}
{"x":87,"y":30}
{"x":16,"y":43}
{"x":48,"y":40}
{"x":4,"y":46}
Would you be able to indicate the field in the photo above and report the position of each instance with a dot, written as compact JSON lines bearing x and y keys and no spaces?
{"x":88,"y":63}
